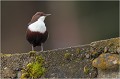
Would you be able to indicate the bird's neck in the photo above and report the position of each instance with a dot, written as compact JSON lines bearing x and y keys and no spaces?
{"x":42,"y":18}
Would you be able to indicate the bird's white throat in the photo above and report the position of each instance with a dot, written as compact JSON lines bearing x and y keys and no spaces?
{"x":38,"y":26}
{"x":42,"y":18}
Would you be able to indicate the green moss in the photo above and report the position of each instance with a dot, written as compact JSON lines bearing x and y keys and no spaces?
{"x":78,"y":59}
{"x":78,"y":50}
{"x":8,"y":55}
{"x":94,"y":54}
{"x":67,"y":56}
{"x":86,"y":70}
{"x":34,"y":69}
{"x":32,"y":53}
{"x":25,"y":76}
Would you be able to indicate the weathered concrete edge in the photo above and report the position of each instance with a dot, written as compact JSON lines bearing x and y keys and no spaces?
{"x":91,"y":44}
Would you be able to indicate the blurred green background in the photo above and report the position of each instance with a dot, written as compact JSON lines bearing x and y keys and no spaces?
{"x":72,"y":23}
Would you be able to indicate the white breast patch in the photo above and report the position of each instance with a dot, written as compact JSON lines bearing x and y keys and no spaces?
{"x":38,"y":26}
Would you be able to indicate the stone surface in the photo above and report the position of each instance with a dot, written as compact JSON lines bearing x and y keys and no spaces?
{"x":109,"y":73}
{"x":107,"y":61}
{"x":72,"y":62}
{"x":107,"y":65}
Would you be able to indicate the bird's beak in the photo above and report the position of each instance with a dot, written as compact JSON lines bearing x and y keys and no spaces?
{"x":47,"y":14}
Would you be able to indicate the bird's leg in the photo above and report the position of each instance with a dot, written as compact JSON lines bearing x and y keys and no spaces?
{"x":41,"y":46}
{"x":32,"y":48}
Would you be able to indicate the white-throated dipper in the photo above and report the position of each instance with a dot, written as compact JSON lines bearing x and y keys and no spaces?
{"x":37,"y":33}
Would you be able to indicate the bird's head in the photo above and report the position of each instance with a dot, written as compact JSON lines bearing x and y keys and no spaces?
{"x":39,"y":16}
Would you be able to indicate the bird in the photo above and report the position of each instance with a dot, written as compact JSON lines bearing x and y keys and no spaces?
{"x":37,"y":33}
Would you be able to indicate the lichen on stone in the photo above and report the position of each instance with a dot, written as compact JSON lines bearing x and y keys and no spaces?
{"x":106,"y":61}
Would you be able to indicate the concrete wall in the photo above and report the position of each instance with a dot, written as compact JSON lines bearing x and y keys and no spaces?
{"x":98,"y":59}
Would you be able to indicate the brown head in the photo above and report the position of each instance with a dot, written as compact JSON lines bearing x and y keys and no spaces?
{"x":37,"y":16}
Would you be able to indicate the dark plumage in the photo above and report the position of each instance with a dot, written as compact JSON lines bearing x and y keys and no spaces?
{"x":36,"y":38}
